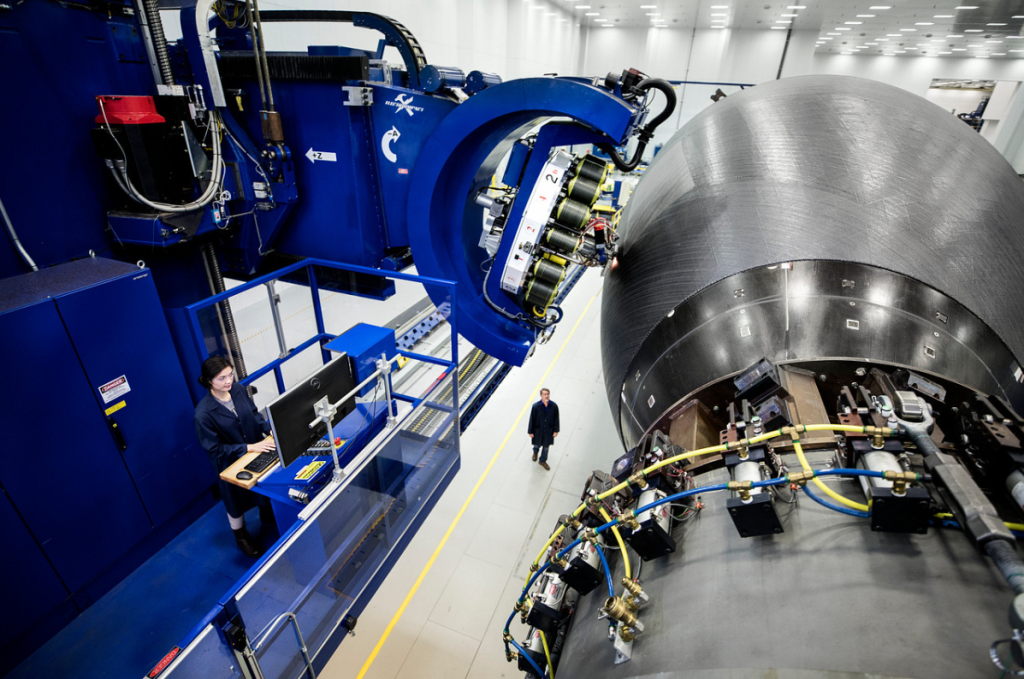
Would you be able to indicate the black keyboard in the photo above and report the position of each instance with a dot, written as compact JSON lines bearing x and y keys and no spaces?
{"x":262,"y":461}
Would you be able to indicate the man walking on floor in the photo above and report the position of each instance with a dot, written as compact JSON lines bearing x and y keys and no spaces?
{"x":543,"y":426}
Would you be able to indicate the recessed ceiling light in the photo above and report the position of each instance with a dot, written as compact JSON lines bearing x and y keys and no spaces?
{"x":865,"y":16}
{"x":959,"y":49}
{"x":853,"y":23}
{"x":779,"y":28}
{"x":995,"y":24}
{"x":648,"y":7}
{"x":654,"y":14}
{"x":1017,"y":50}
{"x":600,"y":20}
{"x":943,"y":16}
{"x":718,"y":27}
{"x":833,"y":34}
{"x":789,"y":15}
{"x":871,"y":43}
{"x":882,"y":39}
{"x":974,"y":30}
{"x":967,"y":7}
{"x":881,"y":7}
{"x":954,"y":36}
{"x":592,"y":14}
{"x":826,"y":38}
{"x":1018,"y":16}
{"x":893,"y":35}
{"x":908,"y":30}
{"x":900,"y":52}
{"x":994,"y":42}
{"x":783,"y":21}
{"x":925,"y":23}
{"x":582,"y":6}
{"x":719,"y":15}
{"x":840,"y":28}
{"x":719,"y":6}
{"x":607,"y":25}
{"x":999,"y":54}
{"x":797,"y":7}
{"x":945,"y":52}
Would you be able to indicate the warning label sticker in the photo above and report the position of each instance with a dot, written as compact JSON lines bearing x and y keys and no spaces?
{"x":306,"y":473}
{"x":114,"y":389}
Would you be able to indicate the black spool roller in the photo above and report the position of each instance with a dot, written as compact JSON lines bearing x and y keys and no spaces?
{"x":540,"y":293}
{"x":591,"y":168}
{"x":561,"y":241}
{"x":584,"y":190}
{"x":548,"y":271}
{"x":572,"y":214}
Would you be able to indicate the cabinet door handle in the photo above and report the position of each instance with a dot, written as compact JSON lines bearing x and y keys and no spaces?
{"x":117,"y":433}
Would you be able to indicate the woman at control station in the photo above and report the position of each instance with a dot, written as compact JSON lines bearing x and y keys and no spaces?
{"x":228,"y":425}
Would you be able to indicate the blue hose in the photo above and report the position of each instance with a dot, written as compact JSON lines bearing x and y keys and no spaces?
{"x":842,"y":510}
{"x":530,"y":583}
{"x":540,"y":672}
{"x":567,"y":548}
{"x":850,"y":472}
{"x":607,"y":570}
{"x":680,"y":496}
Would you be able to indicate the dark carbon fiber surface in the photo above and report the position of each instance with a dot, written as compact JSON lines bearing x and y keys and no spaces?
{"x":817,"y":168}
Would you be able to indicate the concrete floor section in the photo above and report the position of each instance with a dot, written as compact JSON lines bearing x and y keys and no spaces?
{"x":451,"y":627}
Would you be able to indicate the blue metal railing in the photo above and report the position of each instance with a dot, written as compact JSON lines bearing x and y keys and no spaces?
{"x":322,"y":335}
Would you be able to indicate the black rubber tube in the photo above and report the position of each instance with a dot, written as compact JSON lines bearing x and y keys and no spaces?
{"x":647,"y":132}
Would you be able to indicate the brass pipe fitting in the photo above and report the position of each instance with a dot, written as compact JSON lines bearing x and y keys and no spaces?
{"x":801,"y":478}
{"x":628,"y":520}
{"x":562,"y":563}
{"x":511,"y":656}
{"x":506,"y":637}
{"x":572,"y":522}
{"x":639,"y":479}
{"x":900,"y":481}
{"x":744,"y":453}
{"x":631,"y":586}
{"x":741,"y":487}
{"x":620,"y":611}
{"x":589,"y":535}
{"x":627,"y":633}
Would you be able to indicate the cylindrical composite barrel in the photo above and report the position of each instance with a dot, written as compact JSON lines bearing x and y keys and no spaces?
{"x":902,"y":224}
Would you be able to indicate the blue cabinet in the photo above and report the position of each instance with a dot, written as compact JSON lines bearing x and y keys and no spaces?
{"x":99,"y":447}
{"x":119,"y":331}
{"x":59,"y":464}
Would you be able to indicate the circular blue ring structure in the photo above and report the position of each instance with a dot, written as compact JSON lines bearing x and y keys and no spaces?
{"x":460,"y":158}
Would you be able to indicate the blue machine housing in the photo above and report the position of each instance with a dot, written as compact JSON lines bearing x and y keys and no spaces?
{"x":459,"y":160}
{"x":365,"y":344}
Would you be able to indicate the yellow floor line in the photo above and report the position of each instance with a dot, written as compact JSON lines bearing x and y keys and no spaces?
{"x":472,"y":494}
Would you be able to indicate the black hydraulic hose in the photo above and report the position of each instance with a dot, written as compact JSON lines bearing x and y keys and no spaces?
{"x":156,"y":32}
{"x":647,"y":132}
{"x":216,"y":280}
{"x":1004,"y":554}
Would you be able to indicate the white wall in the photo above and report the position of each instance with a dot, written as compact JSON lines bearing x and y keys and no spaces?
{"x":513,"y":38}
{"x":956,"y":101}
{"x":754,"y":56}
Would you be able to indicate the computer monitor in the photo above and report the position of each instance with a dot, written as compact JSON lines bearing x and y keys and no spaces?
{"x":292,"y":411}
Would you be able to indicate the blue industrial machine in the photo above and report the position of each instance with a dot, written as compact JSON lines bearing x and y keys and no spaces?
{"x":148,"y":171}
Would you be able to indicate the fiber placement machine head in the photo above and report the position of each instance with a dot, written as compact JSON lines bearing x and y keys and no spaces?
{"x":811,"y":346}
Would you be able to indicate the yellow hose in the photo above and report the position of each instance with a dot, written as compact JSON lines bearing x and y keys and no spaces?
{"x":1011,"y":526}
{"x":547,"y":654}
{"x":622,"y":545}
{"x":799,"y":450}
{"x":721,"y":449}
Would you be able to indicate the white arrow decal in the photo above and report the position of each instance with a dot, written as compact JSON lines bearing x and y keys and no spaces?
{"x":321,"y":155}
{"x":385,"y":143}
